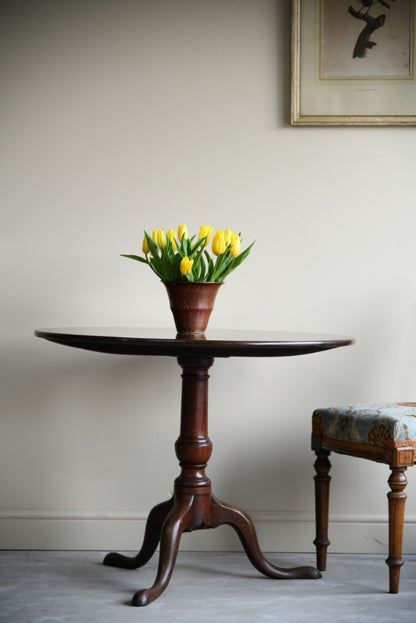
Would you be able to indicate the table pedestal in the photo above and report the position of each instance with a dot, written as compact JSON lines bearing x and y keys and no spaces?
{"x":193,"y":507}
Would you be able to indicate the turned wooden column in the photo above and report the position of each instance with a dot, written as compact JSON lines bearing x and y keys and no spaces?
{"x":193,"y":447}
{"x":322,"y":479}
{"x":397,"y":500}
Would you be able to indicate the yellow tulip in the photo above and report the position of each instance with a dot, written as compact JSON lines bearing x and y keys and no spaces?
{"x":186,"y":265}
{"x":235,"y":245}
{"x":228,"y":236}
{"x":183,"y":231}
{"x":159,"y":238}
{"x":205,"y":231}
{"x":218,"y":242}
{"x":145,"y":246}
{"x":172,"y":235}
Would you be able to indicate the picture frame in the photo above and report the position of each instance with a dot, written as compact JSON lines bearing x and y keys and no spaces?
{"x":353,"y":62}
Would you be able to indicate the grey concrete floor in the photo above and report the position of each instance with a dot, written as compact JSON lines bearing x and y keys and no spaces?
{"x":54,"y":587}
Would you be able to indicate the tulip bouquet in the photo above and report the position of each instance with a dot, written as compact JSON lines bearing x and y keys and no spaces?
{"x":177,"y":257}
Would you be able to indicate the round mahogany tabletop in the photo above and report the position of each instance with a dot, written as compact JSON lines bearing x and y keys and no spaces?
{"x":213,"y":343}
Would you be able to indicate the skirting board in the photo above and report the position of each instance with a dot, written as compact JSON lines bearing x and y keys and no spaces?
{"x":276,"y":531}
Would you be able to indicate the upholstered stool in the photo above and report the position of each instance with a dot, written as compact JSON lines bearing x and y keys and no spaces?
{"x":379,"y":432}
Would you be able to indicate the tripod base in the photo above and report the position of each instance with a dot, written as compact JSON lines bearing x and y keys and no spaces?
{"x":185,"y":513}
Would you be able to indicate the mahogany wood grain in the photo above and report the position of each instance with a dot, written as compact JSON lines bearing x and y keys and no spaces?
{"x":193,"y":505}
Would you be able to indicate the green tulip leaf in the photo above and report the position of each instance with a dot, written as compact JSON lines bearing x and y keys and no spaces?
{"x":134,"y":257}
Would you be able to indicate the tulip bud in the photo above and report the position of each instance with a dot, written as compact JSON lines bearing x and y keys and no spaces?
{"x":235,"y":245}
{"x":186,"y":265}
{"x":162,"y":239}
{"x":218,"y":242}
{"x":145,"y":246}
{"x":172,"y":235}
{"x":159,"y":238}
{"x":228,"y":236}
{"x":205,"y":232}
{"x":183,"y":231}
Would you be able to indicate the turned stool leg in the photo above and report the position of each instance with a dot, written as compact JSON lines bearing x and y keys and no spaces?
{"x":322,"y":479}
{"x":397,"y":500}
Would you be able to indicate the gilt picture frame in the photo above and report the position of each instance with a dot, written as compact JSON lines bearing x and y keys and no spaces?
{"x":353,"y":62}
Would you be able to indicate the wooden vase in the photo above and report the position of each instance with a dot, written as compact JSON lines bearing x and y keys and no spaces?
{"x":191,"y":304}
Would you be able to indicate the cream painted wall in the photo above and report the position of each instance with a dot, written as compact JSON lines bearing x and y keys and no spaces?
{"x":117,"y":116}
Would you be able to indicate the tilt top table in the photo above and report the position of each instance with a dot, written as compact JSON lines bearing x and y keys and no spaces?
{"x":193,"y":506}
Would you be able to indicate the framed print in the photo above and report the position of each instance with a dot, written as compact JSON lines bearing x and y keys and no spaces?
{"x":353,"y":62}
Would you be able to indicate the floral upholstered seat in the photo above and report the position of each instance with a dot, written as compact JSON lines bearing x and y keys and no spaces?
{"x":382,"y":432}
{"x":383,"y":424}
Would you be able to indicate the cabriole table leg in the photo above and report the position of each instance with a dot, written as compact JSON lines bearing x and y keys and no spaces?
{"x":150,"y":542}
{"x":222,"y":513}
